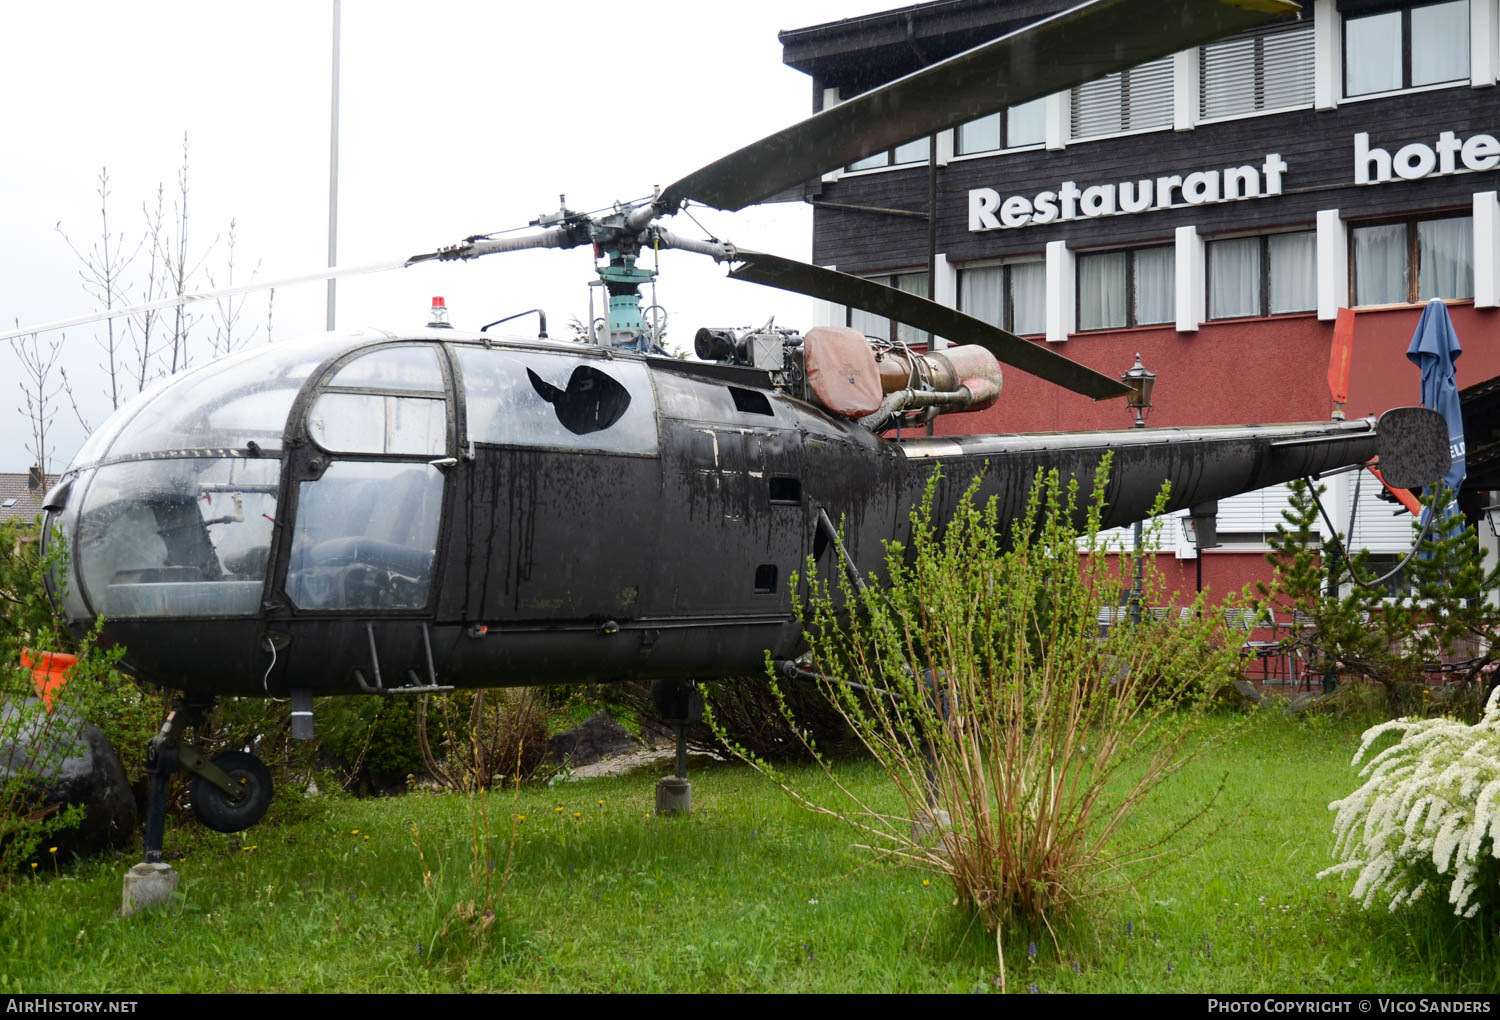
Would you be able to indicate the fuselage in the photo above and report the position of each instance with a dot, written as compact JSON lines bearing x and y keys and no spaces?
{"x":364,"y":510}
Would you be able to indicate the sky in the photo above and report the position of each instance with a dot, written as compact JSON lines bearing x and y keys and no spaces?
{"x":456,"y":118}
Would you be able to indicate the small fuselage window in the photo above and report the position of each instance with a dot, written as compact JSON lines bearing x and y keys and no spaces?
{"x":529,"y":398}
{"x":389,"y":401}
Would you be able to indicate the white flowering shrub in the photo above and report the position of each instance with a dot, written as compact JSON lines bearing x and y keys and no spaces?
{"x":1427,"y":815}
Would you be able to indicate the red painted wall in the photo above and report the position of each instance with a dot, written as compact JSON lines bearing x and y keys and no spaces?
{"x":1238,"y":372}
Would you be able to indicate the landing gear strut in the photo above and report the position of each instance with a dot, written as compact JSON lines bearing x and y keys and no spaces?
{"x":679,"y":703}
{"x":230,"y":792}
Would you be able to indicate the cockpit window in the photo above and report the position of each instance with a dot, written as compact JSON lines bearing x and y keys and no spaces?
{"x":185,"y":537}
{"x":366,"y":536}
{"x":393,"y":368}
{"x":538,"y":399}
{"x":224,"y":405}
{"x":376,"y":423}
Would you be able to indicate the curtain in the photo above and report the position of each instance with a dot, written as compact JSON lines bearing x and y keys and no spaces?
{"x":980,"y":135}
{"x":870,"y":324}
{"x":1380,"y":264}
{"x":1376,"y":40}
{"x":1028,"y":297}
{"x":1234,"y":270}
{"x":1101,"y":291}
{"x":1155,"y":285}
{"x":1445,"y":258}
{"x":982,"y":294}
{"x":1439,"y":43}
{"x":912,"y":283}
{"x":911,"y":152}
{"x":1294,"y":272}
{"x":1026,"y":124}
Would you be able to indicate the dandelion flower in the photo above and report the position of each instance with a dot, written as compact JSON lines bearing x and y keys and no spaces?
{"x":559,"y":809}
{"x":926,"y":882}
{"x":577,"y":814}
{"x":52,"y":849}
{"x":354,"y":832}
{"x":33,"y":865}
{"x":601,"y":801}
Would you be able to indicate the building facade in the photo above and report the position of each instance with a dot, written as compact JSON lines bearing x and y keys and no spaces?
{"x":1213,"y":211}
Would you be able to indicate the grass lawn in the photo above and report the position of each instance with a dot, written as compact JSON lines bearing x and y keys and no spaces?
{"x":750,"y":893}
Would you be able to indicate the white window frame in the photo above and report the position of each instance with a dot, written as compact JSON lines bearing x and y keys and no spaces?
{"x":1035,"y":258}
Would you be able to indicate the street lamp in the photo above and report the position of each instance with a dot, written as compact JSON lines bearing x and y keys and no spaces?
{"x":1201,"y":527}
{"x":1141,"y":380}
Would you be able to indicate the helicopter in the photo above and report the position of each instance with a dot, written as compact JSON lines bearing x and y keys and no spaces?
{"x":394,"y":513}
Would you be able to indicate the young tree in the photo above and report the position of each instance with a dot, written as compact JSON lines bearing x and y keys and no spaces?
{"x":102,"y":274}
{"x":1353,"y":626}
{"x":227,"y":310}
{"x":40,"y":384}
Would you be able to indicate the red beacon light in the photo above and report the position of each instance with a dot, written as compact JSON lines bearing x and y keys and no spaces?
{"x":439,"y":315}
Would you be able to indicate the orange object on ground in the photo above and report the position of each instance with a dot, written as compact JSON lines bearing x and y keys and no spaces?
{"x":49,"y":671}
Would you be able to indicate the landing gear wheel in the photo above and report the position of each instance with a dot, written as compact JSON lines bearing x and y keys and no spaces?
{"x":215,"y":810}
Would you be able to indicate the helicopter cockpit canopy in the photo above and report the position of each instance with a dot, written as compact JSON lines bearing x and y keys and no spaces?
{"x":169,"y":507}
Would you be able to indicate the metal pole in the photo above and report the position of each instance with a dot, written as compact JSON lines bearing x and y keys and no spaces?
{"x":1140,"y":579}
{"x":333,"y":168}
{"x":932,"y":232}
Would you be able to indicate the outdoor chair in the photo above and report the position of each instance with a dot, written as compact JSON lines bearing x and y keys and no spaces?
{"x":1246,"y":621}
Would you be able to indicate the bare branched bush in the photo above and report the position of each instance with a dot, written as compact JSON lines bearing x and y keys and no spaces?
{"x":487,"y":736}
{"x":748,"y":713}
{"x":1018,"y":739}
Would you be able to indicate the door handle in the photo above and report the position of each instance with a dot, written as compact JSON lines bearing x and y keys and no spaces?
{"x":443,"y":463}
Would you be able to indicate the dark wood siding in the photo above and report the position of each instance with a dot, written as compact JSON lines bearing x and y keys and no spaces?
{"x":1318,"y":147}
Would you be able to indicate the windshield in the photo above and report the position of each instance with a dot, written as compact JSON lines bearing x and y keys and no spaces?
{"x":190,"y":536}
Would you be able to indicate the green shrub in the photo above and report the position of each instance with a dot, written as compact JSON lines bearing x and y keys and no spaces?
{"x":1016,"y":738}
{"x":32,"y":731}
{"x":374,"y":739}
{"x":1427,"y":815}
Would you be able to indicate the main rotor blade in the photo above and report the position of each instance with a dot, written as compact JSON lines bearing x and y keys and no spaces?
{"x":333,"y":272}
{"x":1076,"y":46}
{"x":843,"y":289}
